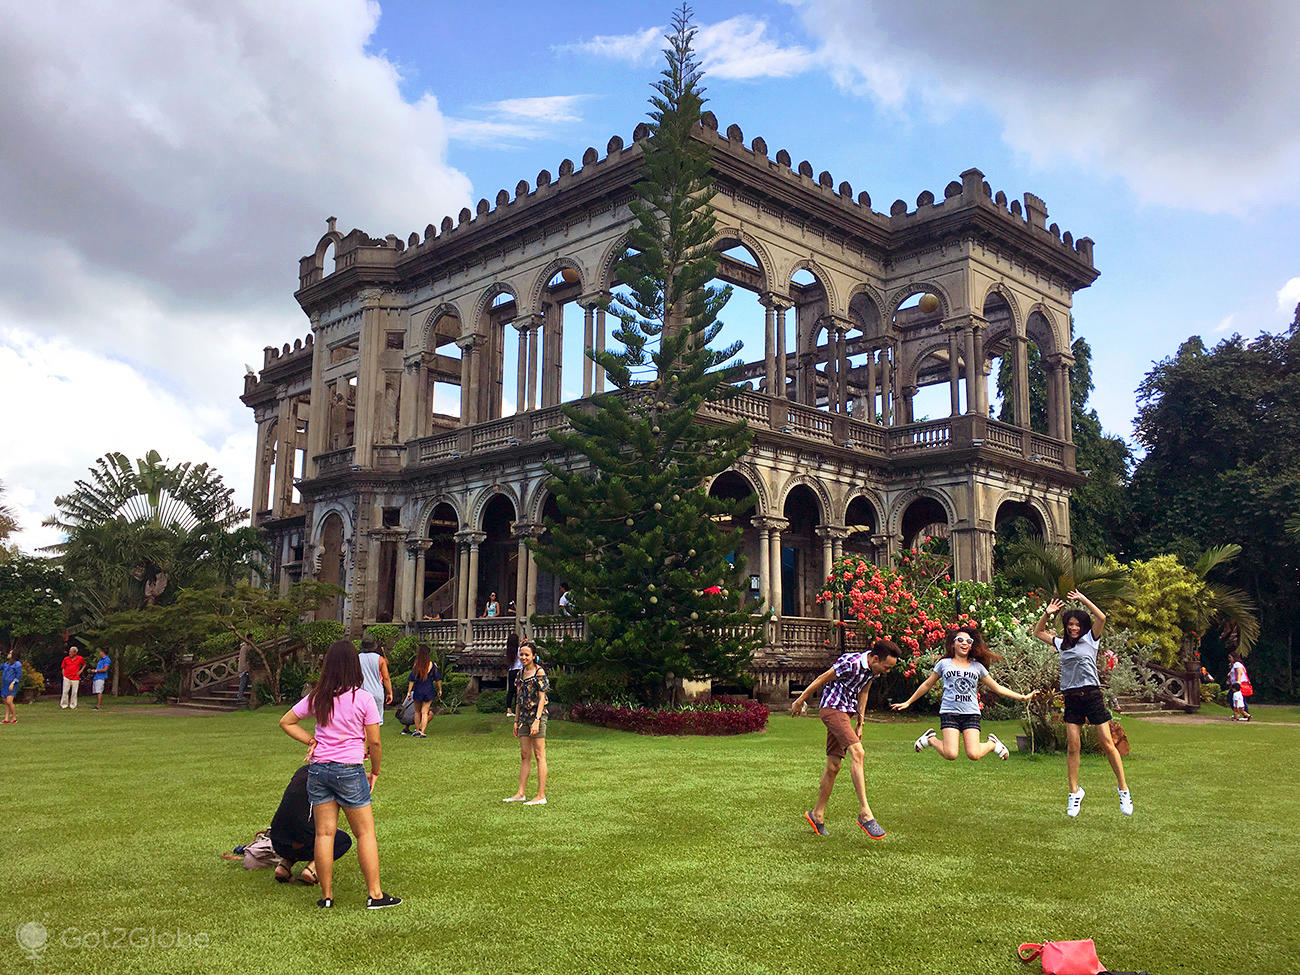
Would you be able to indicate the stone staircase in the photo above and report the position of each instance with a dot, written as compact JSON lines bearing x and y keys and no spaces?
{"x":1131,"y":706}
{"x":214,"y":699}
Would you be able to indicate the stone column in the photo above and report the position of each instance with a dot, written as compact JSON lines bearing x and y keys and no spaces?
{"x":776,"y":526}
{"x":769,"y":347}
{"x":588,"y":337}
{"x":764,"y":565}
{"x":781,"y":379}
{"x":421,"y":547}
{"x":468,"y":379}
{"x":413,"y":401}
{"x":318,"y":425}
{"x":972,"y":397}
{"x":532,"y":588}
{"x":522,"y":556}
{"x":370,"y":378}
{"x":828,"y":554}
{"x":954,"y":375}
{"x":462,"y":574}
{"x":475,"y":540}
{"x":872,"y":383}
{"x":1020,"y":381}
{"x":905,"y":404}
{"x":533,"y":369}
{"x":887,"y":417}
{"x":980,"y":371}
{"x":600,"y":347}
{"x":1063,"y":397}
{"x":285,"y":456}
{"x":521,"y":380}
{"x":261,"y":469}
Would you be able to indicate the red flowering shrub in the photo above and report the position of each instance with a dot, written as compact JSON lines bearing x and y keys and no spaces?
{"x":703,"y":719}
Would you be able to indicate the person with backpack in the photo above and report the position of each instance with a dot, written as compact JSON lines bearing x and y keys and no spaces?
{"x":963,"y":670}
{"x":11,"y":679}
{"x":347,"y":726}
{"x":423,"y":686}
{"x":1081,"y":686}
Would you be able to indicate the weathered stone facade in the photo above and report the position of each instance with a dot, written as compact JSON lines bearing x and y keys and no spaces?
{"x":421,"y":513}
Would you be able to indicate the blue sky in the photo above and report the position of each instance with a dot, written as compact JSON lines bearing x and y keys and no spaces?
{"x":167,"y":163}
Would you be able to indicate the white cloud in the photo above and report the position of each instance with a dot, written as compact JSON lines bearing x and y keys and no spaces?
{"x":75,"y":405}
{"x":1288,"y":296}
{"x":737,"y":48}
{"x":1225,"y":323}
{"x":1193,"y":104}
{"x":515,"y":120}
{"x":163,"y":166}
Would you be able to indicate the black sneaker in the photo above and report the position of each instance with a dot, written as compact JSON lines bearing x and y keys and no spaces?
{"x":325,"y":902}
{"x":383,"y":900}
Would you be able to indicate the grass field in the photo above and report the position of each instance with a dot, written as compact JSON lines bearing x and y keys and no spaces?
{"x":654,"y":855}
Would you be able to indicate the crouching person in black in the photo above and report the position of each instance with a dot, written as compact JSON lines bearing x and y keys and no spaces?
{"x":293,"y":832}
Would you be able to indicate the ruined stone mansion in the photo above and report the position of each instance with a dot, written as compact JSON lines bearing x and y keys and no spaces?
{"x":400,"y":445}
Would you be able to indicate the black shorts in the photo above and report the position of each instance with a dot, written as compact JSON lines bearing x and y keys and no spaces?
{"x":1085,"y":703}
{"x":962,"y":722}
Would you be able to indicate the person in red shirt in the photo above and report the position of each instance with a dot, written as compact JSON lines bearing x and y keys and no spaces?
{"x":73,"y":664}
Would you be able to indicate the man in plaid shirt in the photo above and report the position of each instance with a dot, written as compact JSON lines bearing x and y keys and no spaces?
{"x":843,"y":692}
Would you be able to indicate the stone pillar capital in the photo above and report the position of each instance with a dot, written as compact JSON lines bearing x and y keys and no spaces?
{"x":770,"y":523}
{"x":960,"y":323}
{"x":525,"y":323}
{"x":524,"y":530}
{"x":831,"y":532}
{"x":592,"y":299}
{"x":470,"y":341}
{"x":777,"y":302}
{"x":471,"y":538}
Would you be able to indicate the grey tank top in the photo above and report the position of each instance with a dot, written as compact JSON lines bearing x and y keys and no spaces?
{"x":371,"y":679}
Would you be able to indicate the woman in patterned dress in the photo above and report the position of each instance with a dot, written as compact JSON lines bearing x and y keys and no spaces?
{"x":530,"y":724}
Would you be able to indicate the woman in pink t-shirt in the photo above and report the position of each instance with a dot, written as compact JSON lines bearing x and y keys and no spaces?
{"x":347,"y":722}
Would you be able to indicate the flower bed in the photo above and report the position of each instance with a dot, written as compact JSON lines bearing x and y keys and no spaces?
{"x":705,"y":719}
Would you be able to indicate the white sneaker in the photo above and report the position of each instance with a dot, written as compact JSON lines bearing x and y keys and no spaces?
{"x":999,"y":749}
{"x":921,"y":743}
{"x":1125,"y":802}
{"x":535,"y":802}
{"x":1072,"y":805}
{"x":515,"y":799}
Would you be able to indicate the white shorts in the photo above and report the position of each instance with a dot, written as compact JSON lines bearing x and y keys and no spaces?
{"x":1238,"y":700}
{"x":98,"y":686}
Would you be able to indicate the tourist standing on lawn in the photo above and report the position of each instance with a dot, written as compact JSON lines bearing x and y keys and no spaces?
{"x":844,"y":692}
{"x":100,"y":677}
{"x":1237,"y":676}
{"x":1081,"y":685}
{"x":11,"y":680}
{"x":423,"y":686}
{"x":73,"y":664}
{"x":346,"y":726}
{"x":963,"y":669}
{"x":530,"y":724}
{"x":374,"y":675}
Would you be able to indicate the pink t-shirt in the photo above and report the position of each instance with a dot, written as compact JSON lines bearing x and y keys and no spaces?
{"x":344,"y":738}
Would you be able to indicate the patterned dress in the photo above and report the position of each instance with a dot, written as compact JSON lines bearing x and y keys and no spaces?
{"x":528,"y":694}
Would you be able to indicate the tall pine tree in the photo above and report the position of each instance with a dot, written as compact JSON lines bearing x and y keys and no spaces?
{"x":651,"y":560}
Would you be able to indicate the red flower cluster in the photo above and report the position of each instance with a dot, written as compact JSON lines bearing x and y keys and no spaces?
{"x":879,"y":604}
{"x":727,"y":719}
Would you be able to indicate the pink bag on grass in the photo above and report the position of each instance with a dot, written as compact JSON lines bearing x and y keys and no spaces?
{"x":1064,"y":957}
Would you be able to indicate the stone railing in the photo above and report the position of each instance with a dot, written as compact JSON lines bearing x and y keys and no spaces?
{"x":199,"y":677}
{"x":908,"y":441}
{"x":335,"y":462}
{"x":1177,"y":688}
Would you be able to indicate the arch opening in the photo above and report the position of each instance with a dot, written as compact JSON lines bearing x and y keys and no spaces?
{"x":801,"y":556}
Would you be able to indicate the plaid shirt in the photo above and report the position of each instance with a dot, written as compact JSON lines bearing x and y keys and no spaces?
{"x":851,"y":675}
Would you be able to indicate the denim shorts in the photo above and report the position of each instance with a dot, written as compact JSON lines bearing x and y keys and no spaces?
{"x":962,"y":722}
{"x":335,"y":782}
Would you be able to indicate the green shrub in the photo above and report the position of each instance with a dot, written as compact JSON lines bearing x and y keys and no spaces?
{"x":32,"y":680}
{"x":169,"y":689}
{"x":1210,"y":692}
{"x":454,"y":687}
{"x":401,"y":658}
{"x":294,"y":676}
{"x":385,"y":634}
{"x":489,"y":702}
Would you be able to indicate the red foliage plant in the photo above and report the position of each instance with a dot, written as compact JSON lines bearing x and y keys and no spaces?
{"x":717,"y":719}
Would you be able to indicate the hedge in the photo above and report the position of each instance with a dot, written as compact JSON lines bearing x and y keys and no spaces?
{"x":708,"y":719}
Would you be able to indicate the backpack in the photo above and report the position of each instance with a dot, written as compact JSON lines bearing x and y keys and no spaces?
{"x":259,"y":854}
{"x":405,"y":713}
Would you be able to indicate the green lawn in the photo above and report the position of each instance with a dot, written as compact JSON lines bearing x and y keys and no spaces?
{"x":654,"y":855}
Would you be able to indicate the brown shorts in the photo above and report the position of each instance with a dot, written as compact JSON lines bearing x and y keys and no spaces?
{"x":839,"y":732}
{"x":525,"y":729}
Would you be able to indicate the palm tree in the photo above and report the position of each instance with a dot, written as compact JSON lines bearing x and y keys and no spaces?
{"x":1228,"y":608}
{"x":134,"y":532}
{"x":8,"y":523}
{"x":1056,"y":570}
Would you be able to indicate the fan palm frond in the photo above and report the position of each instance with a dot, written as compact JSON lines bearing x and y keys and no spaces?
{"x":1231,"y":605}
